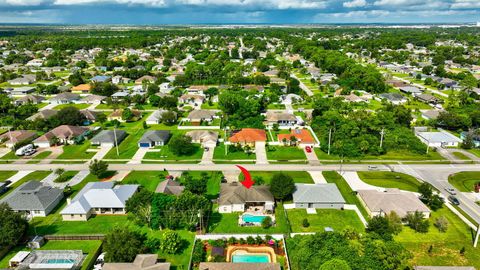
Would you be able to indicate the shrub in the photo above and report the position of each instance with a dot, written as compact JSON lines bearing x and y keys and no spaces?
{"x":266,"y":222}
{"x":199,"y":253}
{"x":305,"y":223}
{"x":250,"y":240}
{"x":232,"y":240}
{"x":259,"y":240}
{"x":442,"y":224}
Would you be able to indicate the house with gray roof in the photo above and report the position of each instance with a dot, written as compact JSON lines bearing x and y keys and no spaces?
{"x":394,"y":98}
{"x":379,"y":203}
{"x":34,"y":199}
{"x":32,"y":99}
{"x":283,"y":118}
{"x":410,"y":90}
{"x":141,"y":262}
{"x":207,"y":138}
{"x":98,"y":198}
{"x":22,"y":91}
{"x":43,"y":114}
{"x":109,"y":138}
{"x":153,"y":138}
{"x":235,"y":197}
{"x":196,"y":117}
{"x":65,"y":98}
{"x":318,"y":196}
{"x":170,"y":187}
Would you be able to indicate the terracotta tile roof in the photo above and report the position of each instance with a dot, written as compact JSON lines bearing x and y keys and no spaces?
{"x":302,"y":135}
{"x":82,"y":87}
{"x":249,"y":135}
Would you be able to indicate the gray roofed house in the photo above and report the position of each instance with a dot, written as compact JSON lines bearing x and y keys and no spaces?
{"x":394,"y":98}
{"x":34,"y":199}
{"x":280,"y":118}
{"x":318,"y":196}
{"x":439,"y":138}
{"x":64,"y":98}
{"x":107,"y":137}
{"x":169,"y":186}
{"x":234,"y":197}
{"x":22,"y":91}
{"x":410,"y":90}
{"x":198,"y":116}
{"x":141,"y":262}
{"x":238,"y":266}
{"x":33,"y":99}
{"x":154,"y":138}
{"x":431,"y":114}
{"x":205,"y":137}
{"x":90,"y":115}
{"x":156,"y":117}
{"x":98,"y":198}
{"x":391,"y":200}
{"x":43,"y":114}
{"x":427,"y":98}
{"x":93,"y":99}
{"x":24,"y":80}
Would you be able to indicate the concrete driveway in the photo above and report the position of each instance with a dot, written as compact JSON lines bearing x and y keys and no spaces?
{"x":311,"y":157}
{"x":317,"y":177}
{"x":261,"y":153}
{"x":19,"y":175}
{"x":102,"y":151}
{"x":207,"y":157}
{"x":357,"y":184}
{"x":137,"y":158}
{"x":56,"y":151}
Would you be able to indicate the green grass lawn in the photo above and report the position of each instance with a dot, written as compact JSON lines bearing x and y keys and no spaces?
{"x":219,"y":153}
{"x":475,"y":152}
{"x":76,"y":151}
{"x":460,"y":155}
{"x":166,"y":154}
{"x":298,"y":176}
{"x":391,"y":155}
{"x":446,"y":246}
{"x":128,"y":147}
{"x":4,"y":175}
{"x":336,"y":219}
{"x":228,"y":223}
{"x":10,"y":155}
{"x":147,"y":179}
{"x":285,"y":153}
{"x":66,"y":176}
{"x":36,"y":175}
{"x":89,"y":247}
{"x":181,"y":260}
{"x":464,"y":181}
{"x":347,"y":193}
{"x":390,"y":180}
{"x":79,"y":106}
{"x":39,"y":157}
{"x":53,"y":224}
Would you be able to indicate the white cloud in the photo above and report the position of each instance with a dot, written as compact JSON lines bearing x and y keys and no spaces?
{"x":466,"y":4}
{"x":355,"y":4}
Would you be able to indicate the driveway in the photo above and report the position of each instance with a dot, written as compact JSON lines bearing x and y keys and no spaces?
{"x":56,"y":151}
{"x":317,"y":177}
{"x":207,"y":157}
{"x":76,"y":179}
{"x":137,"y":158}
{"x":19,"y":175}
{"x":311,"y":157}
{"x":357,"y":184}
{"x":261,"y":153}
{"x":102,"y":151}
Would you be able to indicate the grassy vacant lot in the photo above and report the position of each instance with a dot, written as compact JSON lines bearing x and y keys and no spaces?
{"x":336,"y":219}
{"x":285,"y":153}
{"x":166,"y":154}
{"x":298,"y":176}
{"x":390,"y":180}
{"x":219,"y":153}
{"x":228,"y":223}
{"x":464,"y":181}
{"x":128,"y":147}
{"x":347,"y":193}
{"x":391,"y":155}
{"x":36,"y":175}
{"x":89,"y":247}
{"x":76,"y":151}
{"x":147,"y":179}
{"x":446,"y":246}
{"x":213,"y":182}
{"x":4,"y":175}
{"x":53,"y":224}
{"x":79,"y":106}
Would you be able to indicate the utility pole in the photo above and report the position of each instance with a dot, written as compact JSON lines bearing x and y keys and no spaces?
{"x":329,"y":140}
{"x":115,"y":136}
{"x":382,"y":133}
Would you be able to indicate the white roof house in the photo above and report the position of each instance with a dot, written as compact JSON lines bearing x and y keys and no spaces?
{"x":440,"y":138}
{"x":98,"y":198}
{"x":318,"y":196}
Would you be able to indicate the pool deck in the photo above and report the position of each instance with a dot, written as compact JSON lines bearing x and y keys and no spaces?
{"x":231,"y":250}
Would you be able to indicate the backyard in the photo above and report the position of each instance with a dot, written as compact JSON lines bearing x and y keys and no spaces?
{"x":390,"y":180}
{"x":464,"y":181}
{"x":164,"y":153}
{"x":333,"y":218}
{"x":147,"y":179}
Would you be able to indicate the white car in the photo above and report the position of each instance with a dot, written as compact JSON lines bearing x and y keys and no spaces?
{"x":451,"y":191}
{"x":99,"y":262}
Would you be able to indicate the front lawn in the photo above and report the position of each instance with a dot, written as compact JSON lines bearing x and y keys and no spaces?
{"x":53,"y":224}
{"x":39,"y":157}
{"x":79,"y":106}
{"x":228,"y":223}
{"x":65,"y":177}
{"x":285,"y":153}
{"x":166,"y":154}
{"x":336,"y":219}
{"x":460,"y":155}
{"x":76,"y":151}
{"x":464,"y":181}
{"x":4,"y":175}
{"x":390,"y":180}
{"x":128,"y":147}
{"x":298,"y":176}
{"x":147,"y":179}
{"x":219,"y":153}
{"x":10,"y":155}
{"x":390,"y":155}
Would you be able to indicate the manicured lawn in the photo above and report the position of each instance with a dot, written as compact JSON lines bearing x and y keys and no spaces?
{"x":285,"y":153}
{"x":147,"y":179}
{"x":298,"y":176}
{"x":128,"y":147}
{"x":347,"y":193}
{"x":89,"y":247}
{"x":36,"y":175}
{"x":475,"y":152}
{"x":39,"y":157}
{"x":391,"y":155}
{"x":10,"y":155}
{"x":66,"y":176}
{"x":460,"y":155}
{"x":464,"y":181}
{"x":390,"y":180}
{"x":53,"y":224}
{"x":4,"y":175}
{"x":219,"y":153}
{"x":446,"y":246}
{"x":336,"y":219}
{"x":181,"y":260}
{"x":76,"y":151}
{"x":166,"y":154}
{"x":79,"y":106}
{"x":228,"y":223}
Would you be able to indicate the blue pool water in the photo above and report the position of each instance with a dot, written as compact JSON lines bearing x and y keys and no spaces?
{"x":59,"y":261}
{"x":253,"y":219}
{"x":250,"y":258}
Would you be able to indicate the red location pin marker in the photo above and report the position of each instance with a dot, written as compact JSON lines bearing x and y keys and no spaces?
{"x":247,"y":182}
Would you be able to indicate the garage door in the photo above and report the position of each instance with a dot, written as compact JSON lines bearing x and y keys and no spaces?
{"x":144,"y":145}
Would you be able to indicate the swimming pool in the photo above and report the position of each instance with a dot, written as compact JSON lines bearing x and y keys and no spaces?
{"x":253,"y":218}
{"x":58,"y":261}
{"x":250,"y":258}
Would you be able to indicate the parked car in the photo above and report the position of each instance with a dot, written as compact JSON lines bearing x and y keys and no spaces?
{"x":451,"y":191}
{"x":453,"y":200}
{"x":308,"y":149}
{"x":372,"y":168}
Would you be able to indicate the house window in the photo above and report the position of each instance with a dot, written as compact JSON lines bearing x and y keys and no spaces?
{"x":225,"y":209}
{"x":72,"y":216}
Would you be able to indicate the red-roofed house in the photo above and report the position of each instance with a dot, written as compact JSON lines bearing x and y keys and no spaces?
{"x":302,"y":138}
{"x":248,"y":136}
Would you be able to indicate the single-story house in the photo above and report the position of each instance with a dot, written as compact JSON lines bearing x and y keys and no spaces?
{"x":431,"y":114}
{"x":427,"y":98}
{"x":153,"y":138}
{"x":303,"y":137}
{"x":82,"y":88}
{"x":109,"y":137}
{"x":100,"y":78}
{"x":440,"y":138}
{"x":93,"y":99}
{"x":98,"y":198}
{"x":120,"y":95}
{"x":248,"y":136}
{"x":12,"y":138}
{"x":205,"y":137}
{"x":196,"y":89}
{"x":238,"y":266}
{"x":394,"y":98}
{"x":234,"y":197}
{"x":141,"y":262}
{"x":156,"y":117}
{"x":120,"y":79}
{"x":32,"y":99}
{"x":280,"y":118}
{"x":43,"y":114}
{"x":22,"y":91}
{"x":379,"y":203}
{"x":146,"y":78}
{"x":170,"y":187}
{"x":117,"y":115}
{"x":64,"y":134}
{"x":64,"y":98}
{"x":34,"y":199}
{"x":197,"y":117}
{"x":193,"y":100}
{"x":410,"y":90}
{"x":90,"y":115}
{"x":24,"y":80}
{"x":318,"y":196}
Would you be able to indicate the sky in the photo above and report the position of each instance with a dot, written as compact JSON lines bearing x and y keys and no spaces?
{"x":238,"y":11}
